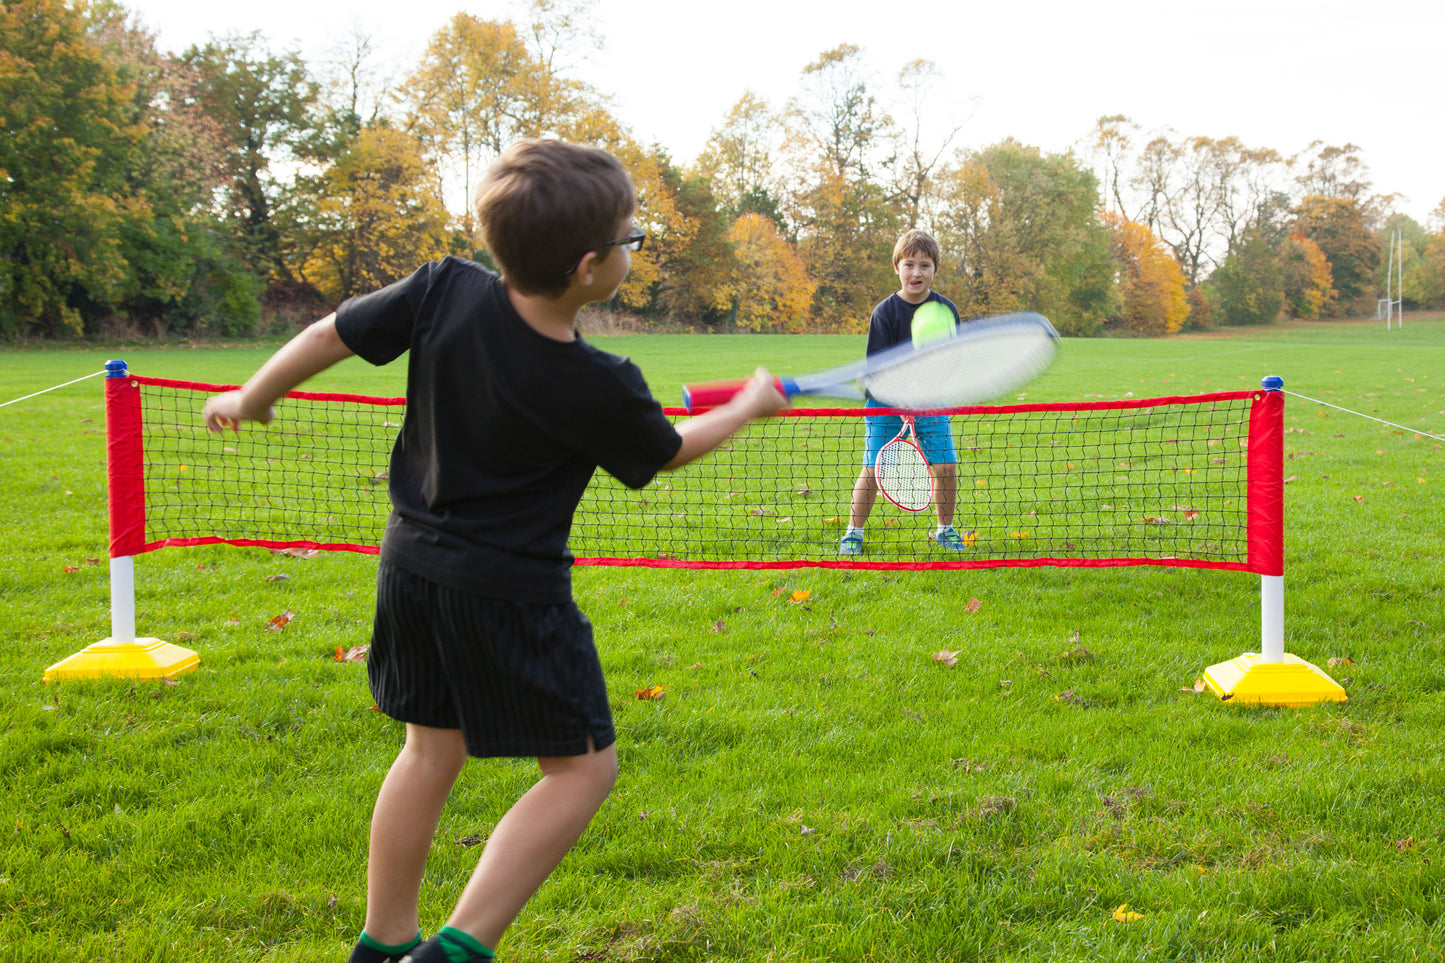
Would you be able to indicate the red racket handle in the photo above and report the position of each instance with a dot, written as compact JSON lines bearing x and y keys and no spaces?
{"x":710,"y":394}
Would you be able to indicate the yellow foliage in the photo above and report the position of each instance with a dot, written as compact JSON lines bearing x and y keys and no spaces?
{"x":771,"y":288}
{"x":377,"y":216}
{"x":1151,"y":281}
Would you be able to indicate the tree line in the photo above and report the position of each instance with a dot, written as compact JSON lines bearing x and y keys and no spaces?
{"x":231,"y":188}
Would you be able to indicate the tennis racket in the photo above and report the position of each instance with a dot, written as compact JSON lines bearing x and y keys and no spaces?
{"x":981,"y":360}
{"x":902,"y":471}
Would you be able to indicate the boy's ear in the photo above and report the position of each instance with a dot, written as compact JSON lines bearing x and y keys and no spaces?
{"x":585,"y":268}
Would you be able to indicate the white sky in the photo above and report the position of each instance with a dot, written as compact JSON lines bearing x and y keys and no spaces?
{"x":1275,"y":73}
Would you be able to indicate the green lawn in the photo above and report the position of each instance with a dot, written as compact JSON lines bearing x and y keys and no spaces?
{"x":814,"y":785}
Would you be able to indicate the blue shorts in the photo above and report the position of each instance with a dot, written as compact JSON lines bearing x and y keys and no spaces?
{"x":935,"y":436}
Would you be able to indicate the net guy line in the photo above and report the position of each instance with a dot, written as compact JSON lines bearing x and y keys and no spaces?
{"x":1371,"y":417}
{"x":53,"y":388}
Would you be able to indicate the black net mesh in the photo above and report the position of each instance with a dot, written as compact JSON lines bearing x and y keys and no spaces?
{"x":1161,"y":481}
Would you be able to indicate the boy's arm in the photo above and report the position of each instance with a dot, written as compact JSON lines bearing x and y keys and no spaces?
{"x":312,"y":351}
{"x":702,"y":434}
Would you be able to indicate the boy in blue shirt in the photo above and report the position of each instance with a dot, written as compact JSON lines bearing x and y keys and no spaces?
{"x":477,"y":645}
{"x":915,"y":260}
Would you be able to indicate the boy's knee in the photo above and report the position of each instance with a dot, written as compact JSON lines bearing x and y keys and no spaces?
{"x":444,"y":750}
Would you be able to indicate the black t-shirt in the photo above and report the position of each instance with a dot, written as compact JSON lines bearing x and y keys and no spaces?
{"x":892,"y":320}
{"x":504,"y":428}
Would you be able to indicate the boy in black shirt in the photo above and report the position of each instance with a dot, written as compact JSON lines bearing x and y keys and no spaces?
{"x":477,"y":645}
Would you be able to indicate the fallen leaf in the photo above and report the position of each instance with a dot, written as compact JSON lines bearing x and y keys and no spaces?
{"x":277,"y":623}
{"x":475,"y":839}
{"x":1359,"y":498}
{"x":973,"y":606}
{"x":948,"y":658}
{"x":1123,"y":914}
{"x":71,"y":569}
{"x":1340,"y":660}
{"x":1196,"y":688}
{"x":279,"y":577}
{"x":652,"y":692}
{"x":297,"y":552}
{"x":802,"y":595}
{"x":357,"y":653}
{"x":1406,"y":843}
{"x":719,"y":627}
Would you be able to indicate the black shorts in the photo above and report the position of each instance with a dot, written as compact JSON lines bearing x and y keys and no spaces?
{"x":518,"y":678}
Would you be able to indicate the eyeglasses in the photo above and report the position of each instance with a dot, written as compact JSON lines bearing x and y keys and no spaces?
{"x":631,"y":240}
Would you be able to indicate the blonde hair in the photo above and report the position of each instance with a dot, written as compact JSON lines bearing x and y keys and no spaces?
{"x":914,"y":243}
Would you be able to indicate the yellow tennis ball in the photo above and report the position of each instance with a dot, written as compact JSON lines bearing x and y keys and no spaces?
{"x":931,"y":322}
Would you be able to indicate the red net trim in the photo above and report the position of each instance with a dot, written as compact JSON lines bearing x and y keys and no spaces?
{"x":1184,"y":481}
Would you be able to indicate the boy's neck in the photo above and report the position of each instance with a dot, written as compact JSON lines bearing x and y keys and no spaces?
{"x":554,"y":318}
{"x":921,"y":298}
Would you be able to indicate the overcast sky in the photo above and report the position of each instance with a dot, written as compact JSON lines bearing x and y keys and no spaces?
{"x":1275,"y":73}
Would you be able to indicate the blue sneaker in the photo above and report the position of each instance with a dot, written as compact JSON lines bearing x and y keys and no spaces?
{"x":950,"y":539}
{"x":852,"y":544}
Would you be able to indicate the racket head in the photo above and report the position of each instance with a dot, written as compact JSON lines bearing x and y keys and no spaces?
{"x":903,"y":476}
{"x":982,"y":360}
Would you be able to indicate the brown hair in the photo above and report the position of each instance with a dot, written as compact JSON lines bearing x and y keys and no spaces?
{"x":544,"y":204}
{"x":914,"y":243}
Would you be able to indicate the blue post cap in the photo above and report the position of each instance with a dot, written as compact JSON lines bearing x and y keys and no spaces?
{"x":1273,"y":383}
{"x":115,"y":369}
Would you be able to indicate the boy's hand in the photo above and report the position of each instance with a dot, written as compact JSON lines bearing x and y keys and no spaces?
{"x":761,"y":397}
{"x":228,"y":410}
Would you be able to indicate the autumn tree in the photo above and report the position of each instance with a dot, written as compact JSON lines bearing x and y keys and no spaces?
{"x":68,"y":140}
{"x":769,"y":289}
{"x":1339,"y":226}
{"x":687,"y":244}
{"x":1425,"y":281}
{"x":376,"y":216}
{"x":1151,"y":284}
{"x":1305,"y":278}
{"x":262,"y":103}
{"x":1021,"y":231}
{"x":467,"y":96}
{"x":1109,"y":145}
{"x":738,"y":159}
{"x":184,"y":273}
{"x":844,"y":220}
{"x":1251,"y":290}
{"x":1326,"y":170}
{"x":918,"y":152}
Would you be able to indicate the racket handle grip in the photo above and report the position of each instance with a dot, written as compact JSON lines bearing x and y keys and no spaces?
{"x":711,"y":394}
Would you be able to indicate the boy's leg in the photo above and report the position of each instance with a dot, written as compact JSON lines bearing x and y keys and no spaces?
{"x":531,"y":839}
{"x":408,"y":808}
{"x":865,"y":493}
{"x":945,"y":492}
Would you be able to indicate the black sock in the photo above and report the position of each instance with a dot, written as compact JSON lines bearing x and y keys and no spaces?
{"x":450,"y":946}
{"x":368,"y":950}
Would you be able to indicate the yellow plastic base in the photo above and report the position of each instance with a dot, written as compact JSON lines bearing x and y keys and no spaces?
{"x":1293,"y":682}
{"x":141,"y":659}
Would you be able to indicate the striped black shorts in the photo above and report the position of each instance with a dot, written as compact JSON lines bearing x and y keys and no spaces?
{"x":518,"y":678}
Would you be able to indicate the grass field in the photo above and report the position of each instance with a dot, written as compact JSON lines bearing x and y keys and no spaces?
{"x":814,"y":785}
